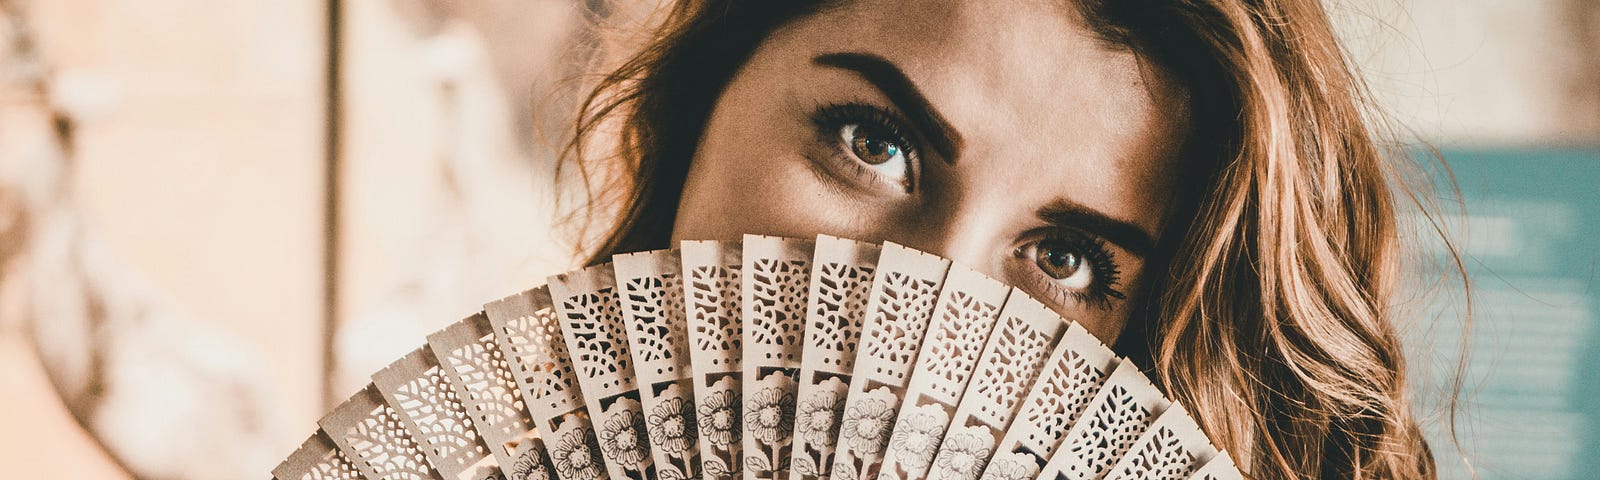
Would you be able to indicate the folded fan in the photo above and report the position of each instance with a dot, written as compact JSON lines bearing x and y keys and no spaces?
{"x":766,"y":359}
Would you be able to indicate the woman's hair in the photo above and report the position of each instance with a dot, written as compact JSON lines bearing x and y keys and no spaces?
{"x":1269,"y":313}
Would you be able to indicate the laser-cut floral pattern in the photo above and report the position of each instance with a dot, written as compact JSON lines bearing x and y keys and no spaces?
{"x":916,"y":439}
{"x":623,"y":438}
{"x":769,"y":414}
{"x":867,"y":425}
{"x":576,"y":456}
{"x":673,"y":426}
{"x":722,"y":409}
{"x":532,"y":464}
{"x":967,"y":456}
{"x":818,"y":418}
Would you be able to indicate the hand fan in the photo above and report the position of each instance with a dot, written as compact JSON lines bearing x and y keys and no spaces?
{"x":765,"y":359}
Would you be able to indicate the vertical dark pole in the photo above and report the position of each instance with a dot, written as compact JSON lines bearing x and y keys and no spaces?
{"x":330,"y":196}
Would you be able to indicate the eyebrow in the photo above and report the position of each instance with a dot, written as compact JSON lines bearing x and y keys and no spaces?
{"x":1065,"y":213}
{"x":883,"y":74}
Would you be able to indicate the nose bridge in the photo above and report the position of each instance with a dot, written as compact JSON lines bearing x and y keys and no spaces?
{"x":964,"y":228}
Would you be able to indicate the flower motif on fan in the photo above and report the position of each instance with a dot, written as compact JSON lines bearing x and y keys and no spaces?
{"x":529,"y":466}
{"x":916,"y":439}
{"x":817,"y":418}
{"x":672,"y":425}
{"x":966,"y":457}
{"x":721,"y":411}
{"x":1008,"y":469}
{"x":624,"y":438}
{"x":866,"y":425}
{"x":769,"y":414}
{"x":577,"y":455}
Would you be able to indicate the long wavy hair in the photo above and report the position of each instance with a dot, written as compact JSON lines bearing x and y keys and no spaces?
{"x":1270,"y":312}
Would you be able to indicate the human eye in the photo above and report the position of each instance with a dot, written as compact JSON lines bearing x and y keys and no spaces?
{"x":1071,"y":265}
{"x":869,"y":144}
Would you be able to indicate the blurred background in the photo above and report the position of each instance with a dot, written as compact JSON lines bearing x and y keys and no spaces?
{"x":219,"y":216}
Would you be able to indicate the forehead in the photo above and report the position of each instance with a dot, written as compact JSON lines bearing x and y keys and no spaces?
{"x":1028,"y":85}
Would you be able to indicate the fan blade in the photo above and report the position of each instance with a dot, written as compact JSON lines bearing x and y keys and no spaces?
{"x":1170,"y":449}
{"x":652,"y":307}
{"x":1220,"y":467}
{"x":836,"y":305}
{"x":317,"y":459}
{"x":777,"y":274}
{"x":1073,"y":374}
{"x":419,"y":390}
{"x":1011,"y":360}
{"x":591,"y":322}
{"x":527,"y":330}
{"x":1120,"y":412}
{"x":485,"y":384}
{"x":901,"y":305}
{"x":711,"y":299}
{"x":369,"y":433}
{"x":969,"y":307}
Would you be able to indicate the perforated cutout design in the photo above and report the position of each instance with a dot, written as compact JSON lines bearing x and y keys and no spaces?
{"x":1075,"y":371}
{"x":1064,"y":391}
{"x":657,"y":332}
{"x":778,"y":304}
{"x":841,"y":285}
{"x":713,"y":295}
{"x":386,"y":447}
{"x":317,"y":459}
{"x":536,"y":353}
{"x":657,"y":336}
{"x":599,"y":345}
{"x":1018,"y":350}
{"x":839,"y":309}
{"x":482,"y":378}
{"x":954,"y":348}
{"x":1160,"y":457}
{"x":372,"y":437}
{"x":901,"y":320}
{"x":1109,"y":429}
{"x":420,"y":391}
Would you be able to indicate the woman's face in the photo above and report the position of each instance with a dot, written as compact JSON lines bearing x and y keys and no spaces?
{"x":1003,"y":135}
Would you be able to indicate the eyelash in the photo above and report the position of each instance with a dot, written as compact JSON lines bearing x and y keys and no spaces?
{"x":830,"y":118}
{"x":1100,"y":259}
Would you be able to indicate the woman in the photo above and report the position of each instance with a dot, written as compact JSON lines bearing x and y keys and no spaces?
{"x":1192,"y":180}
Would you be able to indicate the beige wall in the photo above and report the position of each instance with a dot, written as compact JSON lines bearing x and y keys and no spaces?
{"x":1481,"y":72}
{"x":199,"y":163}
